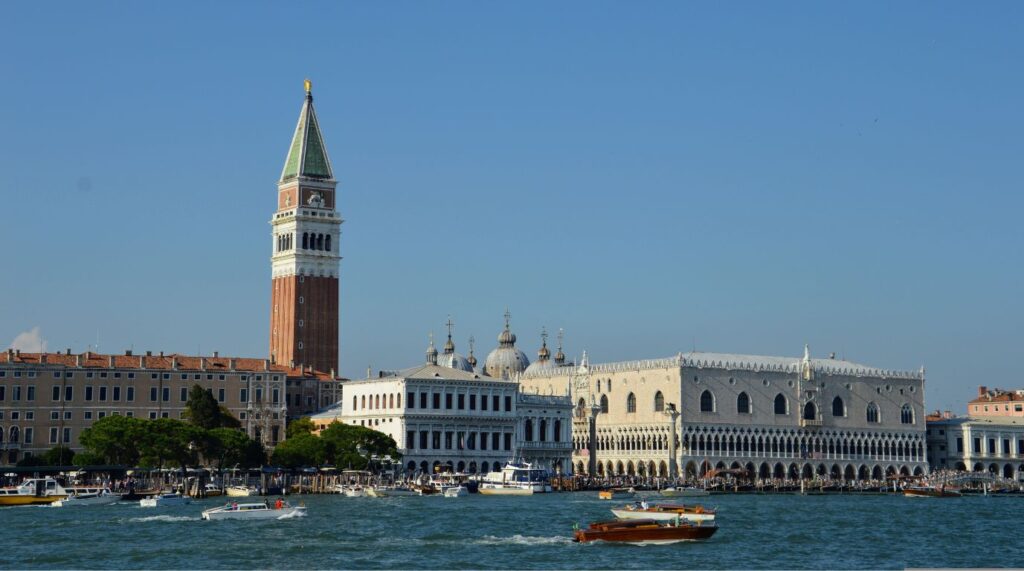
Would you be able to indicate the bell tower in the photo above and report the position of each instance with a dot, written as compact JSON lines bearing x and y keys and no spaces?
{"x":305,"y":260}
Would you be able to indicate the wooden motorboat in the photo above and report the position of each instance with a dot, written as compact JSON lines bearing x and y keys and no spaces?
{"x":616,"y":493}
{"x":665,"y":512}
{"x":164,"y":500}
{"x":930,"y":492}
{"x":644,"y":531}
{"x":33,"y":491}
{"x":264,"y":510}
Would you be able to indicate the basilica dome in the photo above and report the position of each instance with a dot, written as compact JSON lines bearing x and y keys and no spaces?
{"x":543,"y":362}
{"x":506,"y":361}
{"x":449,"y":358}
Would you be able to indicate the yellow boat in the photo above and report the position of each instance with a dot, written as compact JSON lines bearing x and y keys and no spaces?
{"x":33,"y":491}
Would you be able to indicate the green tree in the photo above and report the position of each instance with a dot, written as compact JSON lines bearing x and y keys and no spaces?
{"x":227,"y":447}
{"x":351,"y":446}
{"x":86,"y":458}
{"x":227,"y":419}
{"x":115,"y":439}
{"x":303,"y":450}
{"x":168,"y":439}
{"x":300,"y":426}
{"x":59,"y":455}
{"x":202,"y":409}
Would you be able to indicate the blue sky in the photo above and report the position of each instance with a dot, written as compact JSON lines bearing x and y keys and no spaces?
{"x":652,"y":177}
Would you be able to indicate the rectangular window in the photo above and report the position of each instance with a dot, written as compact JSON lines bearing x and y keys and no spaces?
{"x":129,"y":394}
{"x":508,"y":404}
{"x":423,"y":400}
{"x":117,"y":394}
{"x":152,"y":415}
{"x":16,"y":393}
{"x":167,"y":394}
{"x":88,"y":415}
{"x":1006,"y":446}
{"x":152,"y":394}
{"x":483,"y":402}
{"x":67,"y":415}
{"x":495,"y":440}
{"x":103,"y":393}
{"x":410,"y":438}
{"x":69,"y":393}
{"x":54,"y":415}
{"x":448,"y":401}
{"x":67,"y":436}
{"x":131,"y":375}
{"x":483,"y":441}
{"x":411,"y":399}
{"x":30,"y":415}
{"x":448,"y":439}
{"x":130,"y":414}
{"x":103,"y":414}
{"x":56,"y":393}
{"x":243,"y":395}
{"x":88,"y":375}
{"x":462,"y":402}
{"x":103,"y":375}
{"x":184,"y":376}
{"x":167,"y":376}
{"x":437,"y":401}
{"x":220,"y":395}
{"x":1020,"y":447}
{"x":435,"y":438}
{"x":15,"y":415}
{"x":53,"y":434}
{"x":496,"y":401}
{"x":165,"y":414}
{"x":992,"y":446}
{"x":28,"y":435}
{"x":242,"y":415}
{"x":472,"y":402}
{"x":276,"y":396}
{"x":31,"y":393}
{"x":423,"y":440}
{"x":117,"y":375}
{"x":88,"y":394}
{"x":977,"y":446}
{"x":508,"y":441}
{"x":184,"y":394}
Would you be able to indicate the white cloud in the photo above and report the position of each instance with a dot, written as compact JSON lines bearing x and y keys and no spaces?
{"x":30,"y":341}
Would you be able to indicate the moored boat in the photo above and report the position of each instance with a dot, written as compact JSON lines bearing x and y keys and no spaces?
{"x":665,"y":512}
{"x":455,"y":491}
{"x":241,"y":491}
{"x":515,"y":480}
{"x":644,"y":531}
{"x":684,"y":492}
{"x":254,"y":511}
{"x":33,"y":491}
{"x":616,"y":493}
{"x":930,"y":492}
{"x":165,"y":500}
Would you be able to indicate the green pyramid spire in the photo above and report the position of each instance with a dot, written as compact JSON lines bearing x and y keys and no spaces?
{"x":307,"y":156}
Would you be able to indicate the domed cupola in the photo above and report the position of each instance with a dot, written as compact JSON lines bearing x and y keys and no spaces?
{"x":559,"y":356}
{"x":506,"y":361}
{"x":449,"y":358}
{"x":431,"y":352}
{"x":471,"y":359}
{"x":543,"y":361}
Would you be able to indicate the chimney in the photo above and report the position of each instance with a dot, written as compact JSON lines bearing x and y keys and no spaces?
{"x":202,"y":363}
{"x":216,"y":354}
{"x":982,"y":391}
{"x":332,"y":373}
{"x":266,"y":364}
{"x":42,"y":358}
{"x":17,"y":353}
{"x":149,"y":353}
{"x":127,"y":352}
{"x":161,"y":353}
{"x":88,"y":355}
{"x":232,"y":364}
{"x":174,"y":362}
{"x":78,"y":361}
{"x":291,"y":364}
{"x":110,"y":361}
{"x":142,"y":361}
{"x":10,"y":355}
{"x":67,"y":351}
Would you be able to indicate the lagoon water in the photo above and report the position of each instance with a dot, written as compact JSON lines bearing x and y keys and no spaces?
{"x":757,"y":532}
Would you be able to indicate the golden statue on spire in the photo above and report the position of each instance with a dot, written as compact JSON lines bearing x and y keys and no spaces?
{"x":308,"y":85}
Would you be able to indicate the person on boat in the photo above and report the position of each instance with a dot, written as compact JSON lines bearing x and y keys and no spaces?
{"x":279,"y":504}
{"x":644,"y":505}
{"x":266,"y":503}
{"x":234,"y":505}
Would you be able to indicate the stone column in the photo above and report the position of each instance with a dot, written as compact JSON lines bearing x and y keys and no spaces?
{"x":673,"y":414}
{"x":592,"y":424}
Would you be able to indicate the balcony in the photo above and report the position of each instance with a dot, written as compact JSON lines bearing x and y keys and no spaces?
{"x":809,"y":423}
{"x":544,"y":445}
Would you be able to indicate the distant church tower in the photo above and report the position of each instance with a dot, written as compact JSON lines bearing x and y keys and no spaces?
{"x":305,"y":260}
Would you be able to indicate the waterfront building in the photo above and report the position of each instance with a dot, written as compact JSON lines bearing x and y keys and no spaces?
{"x":451,"y":419}
{"x":775,"y":417}
{"x":305,"y":261}
{"x":989,"y":440}
{"x":47,"y":399}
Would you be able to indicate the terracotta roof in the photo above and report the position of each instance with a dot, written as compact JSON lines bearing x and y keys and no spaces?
{"x":999,"y":395}
{"x":90,"y":360}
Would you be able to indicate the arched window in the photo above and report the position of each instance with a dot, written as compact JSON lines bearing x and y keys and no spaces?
{"x":907,"y":414}
{"x":743,"y":404}
{"x":364,"y":401}
{"x":14,"y":435}
{"x":631,"y":403}
{"x":528,"y":430}
{"x":327,"y":243}
{"x":543,"y":430}
{"x":838,"y":409}
{"x":319,"y":241}
{"x":557,"y":436}
{"x":305,"y":240}
{"x":398,"y":400}
{"x":659,"y":402}
{"x":810,"y":411}
{"x":707,"y":402}
{"x":355,"y":403}
{"x":391,"y":401}
{"x":872,"y":412}
{"x":781,"y":405}
{"x":604,"y":404}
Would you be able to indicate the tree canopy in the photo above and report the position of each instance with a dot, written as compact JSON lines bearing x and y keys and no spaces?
{"x":342,"y":445}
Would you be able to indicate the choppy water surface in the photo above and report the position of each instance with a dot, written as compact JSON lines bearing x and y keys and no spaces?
{"x":757,"y":532}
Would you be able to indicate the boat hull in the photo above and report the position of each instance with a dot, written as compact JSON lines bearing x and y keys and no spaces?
{"x":616,"y":494}
{"x":684,"y":493}
{"x":162,"y":501}
{"x":486,"y":490}
{"x":931,"y":494}
{"x":663,"y":515}
{"x":262,"y":514}
{"x":643,"y":532}
{"x":100,"y":500}
{"x":17,"y":500}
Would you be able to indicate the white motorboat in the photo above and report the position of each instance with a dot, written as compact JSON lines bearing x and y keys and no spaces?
{"x":353,"y":491}
{"x":685,"y":492}
{"x":665,"y":512}
{"x":165,"y":500}
{"x":282,"y":510}
{"x":392,"y":491}
{"x":455,"y":491}
{"x":88,"y":497}
{"x":241,"y":491}
{"x":515,"y":480}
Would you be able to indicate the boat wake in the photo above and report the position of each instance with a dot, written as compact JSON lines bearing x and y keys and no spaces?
{"x":523,"y":540}
{"x":293,"y":515}
{"x":164,"y":518}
